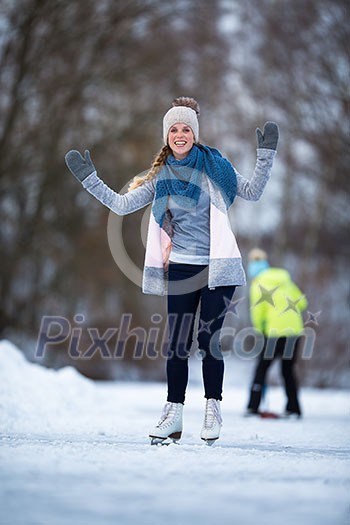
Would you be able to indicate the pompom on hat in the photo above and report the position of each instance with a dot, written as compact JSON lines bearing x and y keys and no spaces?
{"x":186,"y":110}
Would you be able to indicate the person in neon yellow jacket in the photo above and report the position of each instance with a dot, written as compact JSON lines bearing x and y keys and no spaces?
{"x":276,"y":306}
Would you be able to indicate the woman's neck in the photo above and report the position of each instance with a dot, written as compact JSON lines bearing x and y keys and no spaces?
{"x":180,"y":156}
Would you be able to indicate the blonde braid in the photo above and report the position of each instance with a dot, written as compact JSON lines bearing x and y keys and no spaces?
{"x":158,"y":162}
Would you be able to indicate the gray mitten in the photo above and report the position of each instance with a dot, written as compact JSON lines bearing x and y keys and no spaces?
{"x":80,"y":167}
{"x":269,"y":137}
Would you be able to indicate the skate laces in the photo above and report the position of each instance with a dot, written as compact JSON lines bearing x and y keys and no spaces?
{"x":212,"y":413}
{"x":168,"y":414}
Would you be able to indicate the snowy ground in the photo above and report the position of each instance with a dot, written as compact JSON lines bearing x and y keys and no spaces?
{"x":76,"y":452}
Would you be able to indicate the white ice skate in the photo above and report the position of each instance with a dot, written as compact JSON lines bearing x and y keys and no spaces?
{"x":169,"y":428}
{"x":212,"y":421}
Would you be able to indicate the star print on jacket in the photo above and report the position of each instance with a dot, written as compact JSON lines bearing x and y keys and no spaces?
{"x":266,"y":295}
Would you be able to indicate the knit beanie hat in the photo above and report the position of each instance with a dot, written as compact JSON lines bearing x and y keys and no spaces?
{"x":181,"y":112}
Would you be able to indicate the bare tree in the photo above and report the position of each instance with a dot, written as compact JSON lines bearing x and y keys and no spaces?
{"x":296,"y":70}
{"x":86,"y":74}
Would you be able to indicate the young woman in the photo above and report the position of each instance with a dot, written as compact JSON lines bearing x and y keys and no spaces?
{"x":191,"y":252}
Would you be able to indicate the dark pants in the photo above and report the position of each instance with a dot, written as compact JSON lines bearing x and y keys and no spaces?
{"x":182,"y":307}
{"x":286,"y":348}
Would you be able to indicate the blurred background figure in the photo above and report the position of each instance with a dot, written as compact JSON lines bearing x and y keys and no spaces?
{"x":276,"y":306}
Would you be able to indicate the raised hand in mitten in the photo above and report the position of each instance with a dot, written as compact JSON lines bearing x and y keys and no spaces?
{"x":80,"y":167}
{"x":268,"y":139}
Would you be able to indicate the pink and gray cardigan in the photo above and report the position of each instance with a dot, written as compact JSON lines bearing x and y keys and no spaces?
{"x":225,"y":262}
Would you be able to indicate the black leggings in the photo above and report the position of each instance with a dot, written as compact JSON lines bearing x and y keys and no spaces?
{"x":182,"y":307}
{"x":286,"y":348}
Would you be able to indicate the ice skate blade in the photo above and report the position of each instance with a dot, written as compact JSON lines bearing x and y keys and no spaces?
{"x":173,"y":438}
{"x":209,"y":442}
{"x":163,"y":441}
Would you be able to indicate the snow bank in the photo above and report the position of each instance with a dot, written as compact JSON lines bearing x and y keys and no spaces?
{"x":34,"y":398}
{"x":72,"y":450}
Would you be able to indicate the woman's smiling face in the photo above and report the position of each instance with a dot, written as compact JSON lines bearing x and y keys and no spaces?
{"x":180,"y":140}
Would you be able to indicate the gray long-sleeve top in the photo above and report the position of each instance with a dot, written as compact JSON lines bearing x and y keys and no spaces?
{"x":136,"y":199}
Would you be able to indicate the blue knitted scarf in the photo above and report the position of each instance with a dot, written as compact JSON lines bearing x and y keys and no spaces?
{"x":181,"y":179}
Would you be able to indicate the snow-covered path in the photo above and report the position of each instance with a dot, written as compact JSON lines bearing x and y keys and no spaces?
{"x":73,"y":452}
